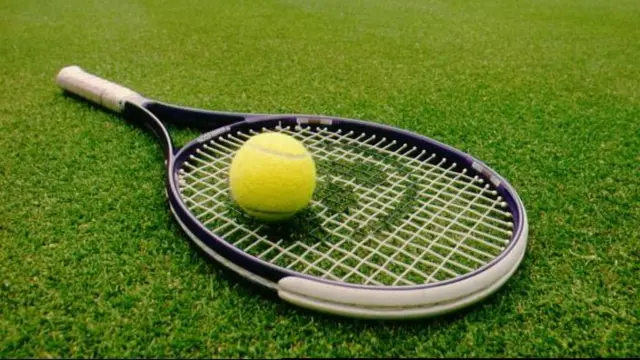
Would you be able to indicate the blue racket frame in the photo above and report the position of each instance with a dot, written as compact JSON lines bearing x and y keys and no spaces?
{"x":222,"y":123}
{"x":347,"y":299}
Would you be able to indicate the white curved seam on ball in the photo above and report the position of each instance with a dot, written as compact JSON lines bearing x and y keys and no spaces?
{"x":273,"y":152}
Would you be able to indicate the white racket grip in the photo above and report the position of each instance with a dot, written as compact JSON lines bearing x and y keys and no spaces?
{"x":96,"y":89}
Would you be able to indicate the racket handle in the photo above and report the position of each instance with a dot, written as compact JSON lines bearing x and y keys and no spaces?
{"x":95,"y":89}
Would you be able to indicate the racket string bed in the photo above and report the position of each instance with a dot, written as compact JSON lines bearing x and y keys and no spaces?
{"x":449,"y":223}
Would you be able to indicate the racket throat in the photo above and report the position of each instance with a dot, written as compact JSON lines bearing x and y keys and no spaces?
{"x":140,"y":116}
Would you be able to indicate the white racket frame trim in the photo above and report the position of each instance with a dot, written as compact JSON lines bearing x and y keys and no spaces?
{"x":394,"y":303}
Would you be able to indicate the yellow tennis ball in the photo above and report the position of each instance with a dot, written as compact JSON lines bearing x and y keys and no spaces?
{"x":272,"y":176}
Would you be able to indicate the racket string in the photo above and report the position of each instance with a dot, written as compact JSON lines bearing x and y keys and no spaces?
{"x":446,"y":222}
{"x":362,"y":224}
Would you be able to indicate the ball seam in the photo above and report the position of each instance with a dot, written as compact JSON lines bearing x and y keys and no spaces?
{"x":278,"y":153}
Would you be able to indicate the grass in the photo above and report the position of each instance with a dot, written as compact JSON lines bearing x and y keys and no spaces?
{"x":545,"y":92}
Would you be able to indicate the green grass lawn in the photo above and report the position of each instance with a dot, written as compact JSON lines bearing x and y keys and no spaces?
{"x":546,"y":92}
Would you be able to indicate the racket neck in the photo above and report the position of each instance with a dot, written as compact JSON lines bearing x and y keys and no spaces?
{"x":191,"y":117}
{"x":141,"y":116}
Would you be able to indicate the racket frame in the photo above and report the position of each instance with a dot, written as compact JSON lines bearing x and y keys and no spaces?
{"x":340,"y":298}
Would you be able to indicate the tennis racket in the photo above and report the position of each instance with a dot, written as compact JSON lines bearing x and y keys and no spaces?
{"x":400,"y":225}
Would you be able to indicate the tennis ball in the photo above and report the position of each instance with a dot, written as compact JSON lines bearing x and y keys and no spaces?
{"x":272,"y":176}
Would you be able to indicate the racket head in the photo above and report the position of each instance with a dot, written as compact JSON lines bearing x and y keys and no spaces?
{"x":206,"y":212}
